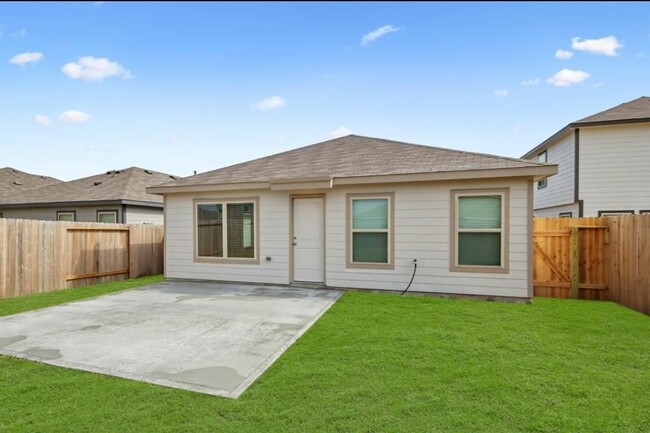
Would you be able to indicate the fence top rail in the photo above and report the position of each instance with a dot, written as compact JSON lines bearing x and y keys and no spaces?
{"x":98,"y":229}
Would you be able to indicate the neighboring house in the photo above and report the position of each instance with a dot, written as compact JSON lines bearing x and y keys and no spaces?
{"x":117,"y":196}
{"x":355,"y":212}
{"x":604,"y":164}
{"x":14,"y":182}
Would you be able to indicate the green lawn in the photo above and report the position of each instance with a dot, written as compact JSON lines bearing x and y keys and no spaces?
{"x":379,"y":363}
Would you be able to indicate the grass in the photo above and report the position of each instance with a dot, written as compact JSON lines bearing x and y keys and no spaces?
{"x":382,"y":363}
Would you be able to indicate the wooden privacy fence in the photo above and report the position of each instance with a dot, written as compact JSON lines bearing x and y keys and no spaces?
{"x":41,"y":256}
{"x":604,"y":258}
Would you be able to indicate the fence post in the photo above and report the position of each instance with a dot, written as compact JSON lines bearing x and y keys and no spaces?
{"x":575,"y":263}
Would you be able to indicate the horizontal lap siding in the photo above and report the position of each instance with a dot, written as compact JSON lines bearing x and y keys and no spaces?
{"x":422,"y":224}
{"x":614,"y":172}
{"x":273,"y":242}
{"x":557,"y":210}
{"x":144,"y":215}
{"x":560,"y":187}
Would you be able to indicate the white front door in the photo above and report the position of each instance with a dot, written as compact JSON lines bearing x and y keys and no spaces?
{"x":308,"y":240}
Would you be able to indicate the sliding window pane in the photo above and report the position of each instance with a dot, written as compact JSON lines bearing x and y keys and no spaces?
{"x":210,"y":230}
{"x":241,"y":226}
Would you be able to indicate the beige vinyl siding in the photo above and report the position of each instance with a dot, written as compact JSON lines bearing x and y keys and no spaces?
{"x":614,"y":173}
{"x":559,"y":189}
{"x":273,"y":240}
{"x":84,"y":214}
{"x":144,"y":215}
{"x":556,"y":210}
{"x":422,"y":224}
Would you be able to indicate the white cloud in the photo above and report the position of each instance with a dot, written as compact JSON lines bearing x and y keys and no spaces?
{"x":74,"y":116}
{"x":501,"y":93}
{"x":41,"y":119}
{"x":378,"y":33}
{"x":24,"y":58}
{"x":567,"y":77}
{"x":19,"y":34}
{"x":533,"y":82}
{"x":640,"y":55}
{"x":341,"y":131}
{"x":95,"y":69}
{"x":563,"y":55}
{"x":607,"y":46}
{"x":271,"y":103}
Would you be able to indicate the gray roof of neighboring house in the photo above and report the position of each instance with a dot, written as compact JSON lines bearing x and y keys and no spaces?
{"x":14,"y":182}
{"x":351,"y":156}
{"x":115,"y":185}
{"x":636,"y":111}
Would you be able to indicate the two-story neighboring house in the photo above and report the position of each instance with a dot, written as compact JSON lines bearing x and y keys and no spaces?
{"x":604,"y":164}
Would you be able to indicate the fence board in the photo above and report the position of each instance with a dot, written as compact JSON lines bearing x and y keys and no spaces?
{"x":614,"y":258}
{"x":41,"y":256}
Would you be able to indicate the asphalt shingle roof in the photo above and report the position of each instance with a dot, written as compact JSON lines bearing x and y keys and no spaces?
{"x":127,"y":184}
{"x":632,"y":110}
{"x":352,"y":156}
{"x":14,"y":182}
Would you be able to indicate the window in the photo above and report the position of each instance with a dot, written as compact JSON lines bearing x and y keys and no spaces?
{"x":615,"y":212}
{"x":542,"y":157}
{"x":566,"y":214}
{"x":65,"y":215}
{"x":107,"y":216}
{"x":226,"y":230}
{"x":370,"y":231}
{"x":480,"y":235}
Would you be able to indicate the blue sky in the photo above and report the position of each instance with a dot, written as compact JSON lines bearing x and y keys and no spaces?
{"x":178,"y":87}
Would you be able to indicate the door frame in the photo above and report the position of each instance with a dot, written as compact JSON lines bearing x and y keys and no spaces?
{"x":292,"y":199}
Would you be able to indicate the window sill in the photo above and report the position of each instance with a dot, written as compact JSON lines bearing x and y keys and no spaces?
{"x":480,"y":269}
{"x":389,"y":266}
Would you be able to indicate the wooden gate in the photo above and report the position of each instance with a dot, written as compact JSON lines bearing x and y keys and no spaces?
{"x":569,"y":258}
{"x":101,"y":253}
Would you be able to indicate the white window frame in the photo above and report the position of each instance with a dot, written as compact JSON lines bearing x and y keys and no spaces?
{"x":107,"y":212}
{"x":224,"y":231}
{"x":504,"y":230}
{"x":544,"y":182}
{"x":66,"y":212}
{"x":390,"y":230}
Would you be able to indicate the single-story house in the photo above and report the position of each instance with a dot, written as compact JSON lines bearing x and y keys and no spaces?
{"x":357,"y":212}
{"x":117,"y":196}
{"x":603,"y":162}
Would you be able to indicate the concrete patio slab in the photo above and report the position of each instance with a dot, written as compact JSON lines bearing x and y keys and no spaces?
{"x":204,"y":337}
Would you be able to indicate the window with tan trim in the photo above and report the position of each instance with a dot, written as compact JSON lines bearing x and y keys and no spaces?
{"x":226,"y":230}
{"x":479,"y":230}
{"x":370,"y":231}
